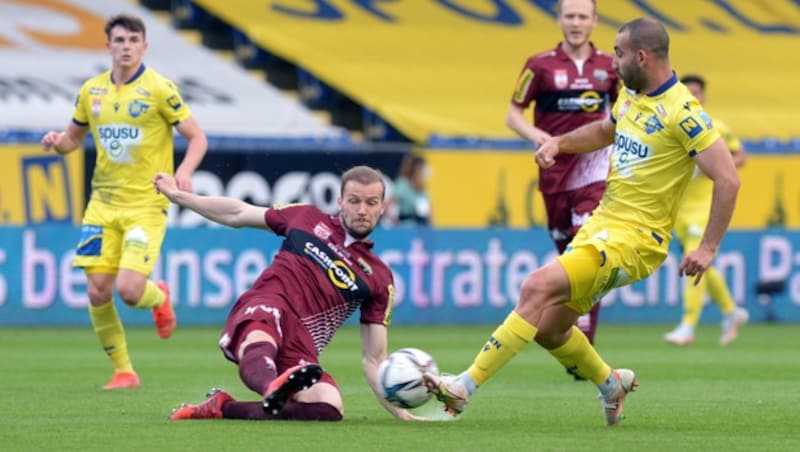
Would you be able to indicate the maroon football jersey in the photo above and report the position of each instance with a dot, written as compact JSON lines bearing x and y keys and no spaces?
{"x":322,"y":280}
{"x":568,"y":95}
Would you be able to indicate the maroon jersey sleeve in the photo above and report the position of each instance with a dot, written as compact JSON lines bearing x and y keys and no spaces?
{"x":527,"y":87}
{"x":379,"y":308}
{"x":278,"y":217}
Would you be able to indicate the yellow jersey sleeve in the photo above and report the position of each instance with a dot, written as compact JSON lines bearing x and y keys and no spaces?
{"x":693,"y":128}
{"x":79,"y":114}
{"x":170,"y":104}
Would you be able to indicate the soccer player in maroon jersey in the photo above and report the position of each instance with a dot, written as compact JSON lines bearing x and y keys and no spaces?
{"x":323,"y":272}
{"x":571,"y":85}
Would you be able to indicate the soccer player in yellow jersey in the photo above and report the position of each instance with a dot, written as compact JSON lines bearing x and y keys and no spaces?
{"x":659,"y":132}
{"x":689,"y":228}
{"x":130,"y":111}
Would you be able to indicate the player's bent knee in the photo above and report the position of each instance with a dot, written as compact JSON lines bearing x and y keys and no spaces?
{"x":322,"y":393}
{"x":253,"y":337}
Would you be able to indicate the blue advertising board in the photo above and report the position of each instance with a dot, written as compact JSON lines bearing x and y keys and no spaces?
{"x":441,"y":276}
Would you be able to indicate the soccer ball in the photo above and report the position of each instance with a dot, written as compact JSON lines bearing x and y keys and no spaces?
{"x":400,"y":377}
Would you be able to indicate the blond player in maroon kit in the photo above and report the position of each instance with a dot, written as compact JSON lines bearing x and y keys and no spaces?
{"x":325,"y":270}
{"x":571,"y":85}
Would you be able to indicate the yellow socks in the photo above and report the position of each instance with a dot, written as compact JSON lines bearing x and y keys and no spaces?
{"x":693,"y":300}
{"x":506,"y":341}
{"x":719,"y":291}
{"x":152,"y":296}
{"x":579,"y":355}
{"x":109,"y":330}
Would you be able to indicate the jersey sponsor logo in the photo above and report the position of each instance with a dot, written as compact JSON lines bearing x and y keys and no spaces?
{"x":691,"y":126}
{"x":523,"y":84}
{"x":627,"y":152}
{"x":137,"y":108}
{"x":117,"y":139}
{"x":588,"y":101}
{"x":348,"y":283}
{"x":338,"y":272}
{"x":97,"y":91}
{"x":560,"y":78}
{"x":143,"y":92}
{"x":661,"y":111}
{"x":653,"y":125}
{"x":174,"y":101}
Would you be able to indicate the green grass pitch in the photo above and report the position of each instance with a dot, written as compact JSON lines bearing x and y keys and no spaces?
{"x":703,"y":397}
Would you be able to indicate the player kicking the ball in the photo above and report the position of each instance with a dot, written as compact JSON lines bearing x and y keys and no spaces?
{"x":659,"y":132}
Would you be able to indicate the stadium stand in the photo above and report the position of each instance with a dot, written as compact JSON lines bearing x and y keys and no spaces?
{"x":55,"y":46}
{"x":438,"y":72}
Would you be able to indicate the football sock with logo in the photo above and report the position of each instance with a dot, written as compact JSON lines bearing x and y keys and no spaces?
{"x":506,"y":341}
{"x":578,"y":355}
{"x":693,"y":301}
{"x":109,"y":330}
{"x":152,"y":296}
{"x":257,"y":366}
{"x":719,"y":291}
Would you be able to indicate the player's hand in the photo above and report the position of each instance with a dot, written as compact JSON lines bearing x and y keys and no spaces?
{"x":165,"y":184}
{"x":184,"y":180}
{"x":545,"y":156}
{"x":540,"y":137}
{"x":406,"y":415}
{"x":696,"y":263}
{"x":50,"y":139}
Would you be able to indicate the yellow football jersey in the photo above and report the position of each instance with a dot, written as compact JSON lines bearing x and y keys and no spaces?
{"x":657,"y":134}
{"x":699,"y":191}
{"x":132,"y":129}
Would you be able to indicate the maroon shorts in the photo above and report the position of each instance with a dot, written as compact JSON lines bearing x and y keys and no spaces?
{"x":567,"y":211}
{"x":270,"y":314}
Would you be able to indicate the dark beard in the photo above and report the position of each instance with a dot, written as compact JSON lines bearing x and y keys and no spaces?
{"x":356,"y":235}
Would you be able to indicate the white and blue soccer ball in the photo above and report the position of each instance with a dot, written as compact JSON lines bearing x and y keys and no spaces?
{"x":400,"y":377}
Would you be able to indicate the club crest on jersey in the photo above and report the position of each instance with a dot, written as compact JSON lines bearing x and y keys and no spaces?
{"x":560,"y":78}
{"x":136,"y":108}
{"x":601,"y":75}
{"x":652,"y":125}
{"x":364,"y":266}
{"x":322,"y":231}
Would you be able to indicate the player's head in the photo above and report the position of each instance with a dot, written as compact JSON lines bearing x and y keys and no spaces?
{"x":696,"y":85}
{"x":127,"y":42}
{"x":361,"y":200}
{"x":577,"y":19}
{"x":641,"y":45}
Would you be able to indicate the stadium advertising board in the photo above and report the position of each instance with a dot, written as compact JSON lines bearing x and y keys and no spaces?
{"x":40,"y":187}
{"x":475,"y":189}
{"x":441,"y":276}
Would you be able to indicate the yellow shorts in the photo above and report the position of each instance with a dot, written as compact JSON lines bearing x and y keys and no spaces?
{"x":606,"y":255}
{"x":115,"y":237}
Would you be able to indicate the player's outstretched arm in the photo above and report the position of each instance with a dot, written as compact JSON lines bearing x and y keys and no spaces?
{"x":716,"y":162}
{"x":373,"y":349}
{"x":66,"y":141}
{"x":228,"y":211}
{"x":587,"y":138}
